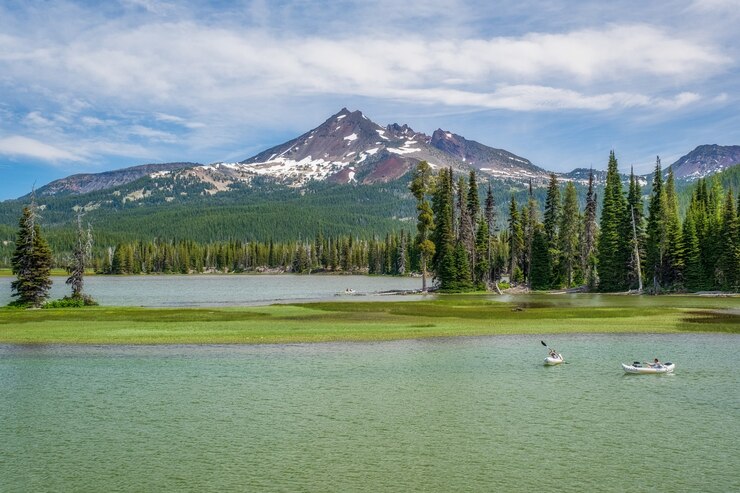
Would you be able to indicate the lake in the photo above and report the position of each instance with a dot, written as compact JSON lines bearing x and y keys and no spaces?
{"x":463,"y":414}
{"x":226,"y":290}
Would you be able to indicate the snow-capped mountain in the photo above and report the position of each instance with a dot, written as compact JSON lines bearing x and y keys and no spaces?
{"x":349,"y":148}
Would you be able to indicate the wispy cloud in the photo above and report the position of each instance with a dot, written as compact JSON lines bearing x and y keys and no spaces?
{"x":196,"y":66}
{"x":18,"y":145}
{"x":150,"y":79}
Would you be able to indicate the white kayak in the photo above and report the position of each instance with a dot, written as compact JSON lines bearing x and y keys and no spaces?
{"x":554,"y":360}
{"x":644,"y":369}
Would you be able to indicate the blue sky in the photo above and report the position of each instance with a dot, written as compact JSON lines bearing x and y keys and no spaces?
{"x":87,"y":88}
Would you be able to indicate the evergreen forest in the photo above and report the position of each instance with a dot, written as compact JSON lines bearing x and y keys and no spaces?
{"x":671,"y":237}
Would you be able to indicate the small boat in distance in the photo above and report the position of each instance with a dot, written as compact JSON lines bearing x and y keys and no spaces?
{"x":646,"y":368}
{"x":553,"y":357}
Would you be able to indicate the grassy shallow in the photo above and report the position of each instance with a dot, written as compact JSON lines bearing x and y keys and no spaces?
{"x":444,"y":316}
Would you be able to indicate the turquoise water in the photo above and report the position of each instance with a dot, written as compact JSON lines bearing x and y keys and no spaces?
{"x":466,"y":414}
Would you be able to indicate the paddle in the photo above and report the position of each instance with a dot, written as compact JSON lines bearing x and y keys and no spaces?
{"x":551,"y":349}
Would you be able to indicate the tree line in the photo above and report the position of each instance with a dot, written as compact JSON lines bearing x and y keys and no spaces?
{"x":563,"y":246}
{"x":557,"y":246}
{"x":392,"y":255}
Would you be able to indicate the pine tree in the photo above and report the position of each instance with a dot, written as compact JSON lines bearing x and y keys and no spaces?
{"x":482,"y":247}
{"x":466,"y":233}
{"x":420,"y":188}
{"x":516,"y":242}
{"x":694,"y":273}
{"x":540,"y":271}
{"x":80,"y":259}
{"x":730,"y":259}
{"x":635,"y":208}
{"x":552,"y":211}
{"x":568,"y":237}
{"x":614,"y":252}
{"x":656,"y":230}
{"x":490,"y":217}
{"x":31,"y":261}
{"x":529,"y":216}
{"x":462,"y":269}
{"x":443,"y":234}
{"x":473,"y":214}
{"x":673,"y":254}
{"x":551,"y":224}
{"x":588,"y":252}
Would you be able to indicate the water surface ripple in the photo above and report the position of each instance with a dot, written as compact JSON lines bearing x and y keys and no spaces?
{"x":467,"y":414}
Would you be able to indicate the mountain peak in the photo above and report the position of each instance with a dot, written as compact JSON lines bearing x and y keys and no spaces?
{"x":705,"y":160}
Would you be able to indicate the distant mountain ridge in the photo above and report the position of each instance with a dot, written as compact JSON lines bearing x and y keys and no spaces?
{"x":92,"y":182}
{"x":349,"y":148}
{"x":706,"y":160}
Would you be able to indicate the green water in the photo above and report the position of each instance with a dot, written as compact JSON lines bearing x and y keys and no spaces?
{"x":468,"y":414}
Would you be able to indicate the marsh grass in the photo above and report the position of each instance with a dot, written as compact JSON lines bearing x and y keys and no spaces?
{"x":446,"y":316}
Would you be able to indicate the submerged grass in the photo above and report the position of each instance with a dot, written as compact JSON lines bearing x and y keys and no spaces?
{"x":445,"y":316}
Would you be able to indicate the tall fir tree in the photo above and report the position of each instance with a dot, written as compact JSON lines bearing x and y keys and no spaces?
{"x":656,"y":230}
{"x":693,"y":273}
{"x":673,"y":255}
{"x":635,"y":209}
{"x":465,"y":232}
{"x":529,"y":216}
{"x":482,"y":249}
{"x":516,"y":242}
{"x":613,"y":246}
{"x":443,"y":234}
{"x":490,"y":217}
{"x":31,"y":261}
{"x":551,"y":224}
{"x":473,"y":206}
{"x":540,"y":270}
{"x":552,"y":211}
{"x":80,"y":259}
{"x":420,"y":188}
{"x":729,"y":263}
{"x":568,"y":235}
{"x":590,"y":232}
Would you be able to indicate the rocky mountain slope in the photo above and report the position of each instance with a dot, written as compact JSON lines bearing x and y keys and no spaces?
{"x":91,"y":182}
{"x":350,"y":148}
{"x":706,"y":160}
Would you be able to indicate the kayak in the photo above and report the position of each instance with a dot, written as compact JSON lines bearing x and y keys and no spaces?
{"x":550,"y":360}
{"x":644,"y":369}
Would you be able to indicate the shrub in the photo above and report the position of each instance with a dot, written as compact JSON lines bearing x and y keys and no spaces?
{"x":72,"y":302}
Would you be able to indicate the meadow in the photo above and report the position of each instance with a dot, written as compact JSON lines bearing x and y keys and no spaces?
{"x":444,"y":316}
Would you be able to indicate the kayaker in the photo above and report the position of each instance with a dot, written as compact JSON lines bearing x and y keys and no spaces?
{"x":553,"y":353}
{"x":656,"y":363}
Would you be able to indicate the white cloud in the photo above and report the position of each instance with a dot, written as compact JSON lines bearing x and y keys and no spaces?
{"x":199,"y":67}
{"x":36,"y":119}
{"x":163,"y":117}
{"x":17,"y":145}
{"x":153,"y":134}
{"x":543,"y":98}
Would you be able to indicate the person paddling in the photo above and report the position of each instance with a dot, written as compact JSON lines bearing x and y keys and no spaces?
{"x":656,"y":363}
